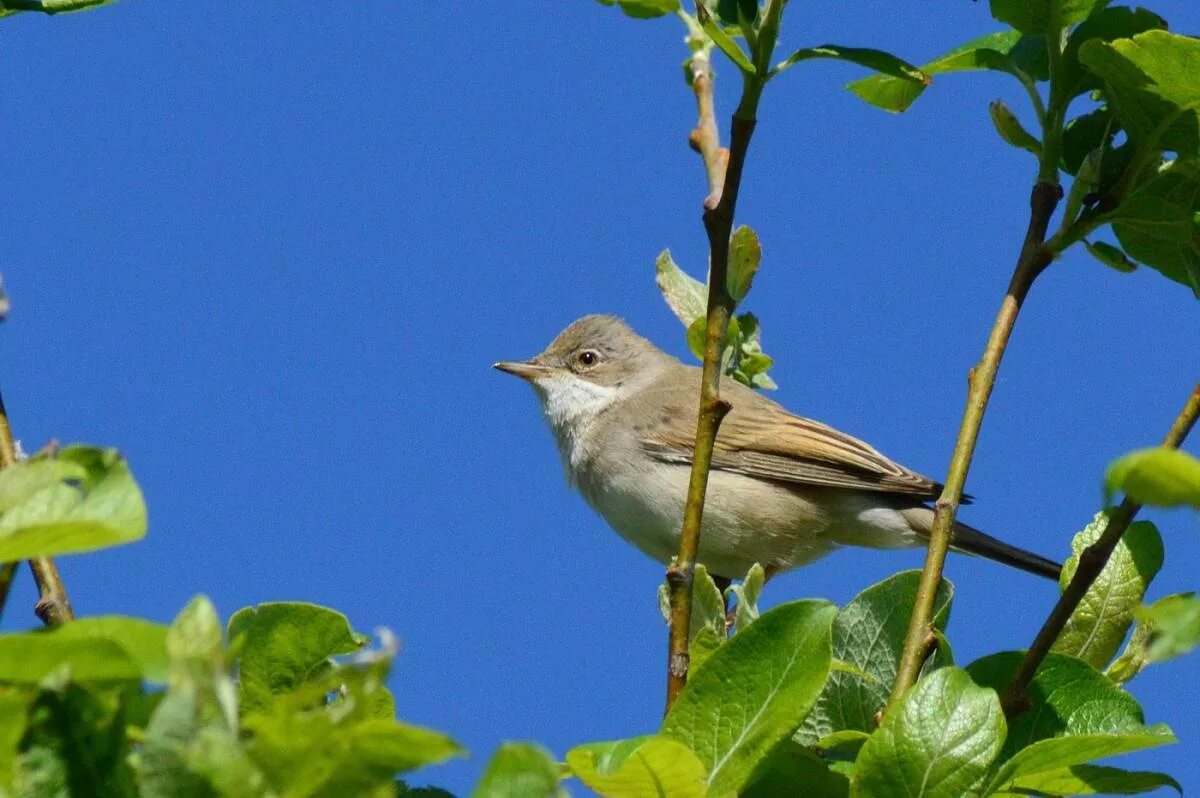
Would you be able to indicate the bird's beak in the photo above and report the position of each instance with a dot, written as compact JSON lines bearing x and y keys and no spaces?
{"x":525,"y":369}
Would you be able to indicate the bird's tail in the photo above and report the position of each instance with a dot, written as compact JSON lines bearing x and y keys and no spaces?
{"x":970,"y":540}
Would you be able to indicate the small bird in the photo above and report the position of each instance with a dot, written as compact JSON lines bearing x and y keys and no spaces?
{"x":783,"y":490}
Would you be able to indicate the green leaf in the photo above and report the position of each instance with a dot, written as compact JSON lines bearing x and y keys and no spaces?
{"x":319,"y":751}
{"x":1011,"y":130}
{"x":1051,"y":755}
{"x":1118,"y":22}
{"x":1044,"y":16}
{"x":1094,"y":780}
{"x":745,"y":254}
{"x":878,"y":60}
{"x":1160,"y":476}
{"x":1157,"y":224}
{"x":746,"y":596}
{"x":702,"y":647}
{"x":1085,"y":134}
{"x":645,"y":9}
{"x":8,"y":7}
{"x":643,"y":767}
{"x":1173,"y":626}
{"x":1067,"y":697}
{"x":940,"y":741}
{"x":1100,"y":621}
{"x":1150,"y":81}
{"x":14,"y":705}
{"x":869,"y":635}
{"x":686,"y":296}
{"x":95,"y":504}
{"x":102,"y":648}
{"x":1110,"y":256}
{"x":792,"y":769}
{"x":1133,"y":659}
{"x":284,"y":645}
{"x":723,"y":42}
{"x":30,"y":657}
{"x":708,"y":605}
{"x":23,"y":479}
{"x":519,"y":770}
{"x":191,"y":743}
{"x":897,"y":94}
{"x":75,"y":744}
{"x":753,"y":692}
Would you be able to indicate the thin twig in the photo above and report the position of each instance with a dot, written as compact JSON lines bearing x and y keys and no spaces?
{"x":1091,"y":563}
{"x":52,"y":606}
{"x":724,"y":169}
{"x":1030,"y":263}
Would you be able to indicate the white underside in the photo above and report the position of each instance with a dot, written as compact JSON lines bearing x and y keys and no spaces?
{"x":746,"y":520}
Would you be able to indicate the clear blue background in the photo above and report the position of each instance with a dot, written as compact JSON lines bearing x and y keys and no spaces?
{"x":271,"y":251}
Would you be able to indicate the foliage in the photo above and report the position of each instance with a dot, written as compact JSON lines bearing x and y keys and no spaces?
{"x":288,"y":700}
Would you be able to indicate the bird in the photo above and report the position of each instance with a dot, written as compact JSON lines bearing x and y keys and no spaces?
{"x":783,"y":490}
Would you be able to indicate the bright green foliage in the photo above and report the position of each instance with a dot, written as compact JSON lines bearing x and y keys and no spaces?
{"x":1011,"y":129}
{"x":939,"y":742}
{"x":284,"y":645}
{"x":519,"y":770}
{"x":686,"y":296}
{"x":1067,"y":698}
{"x":1160,"y":476}
{"x":1151,"y":82}
{"x":1093,"y":780}
{"x":743,"y":358}
{"x":878,"y":60}
{"x":1099,"y":623}
{"x":753,"y":692}
{"x":1173,"y":625}
{"x":792,"y":769}
{"x":869,"y":635}
{"x":1157,"y":223}
{"x":1110,"y":256}
{"x":745,"y":597}
{"x":643,"y":767}
{"x":708,"y":605}
{"x":645,"y":9}
{"x":745,"y":255}
{"x":87,"y":501}
{"x":897,"y":94}
{"x":330,"y":733}
{"x":106,"y":648}
{"x":1040,"y":17}
{"x":1052,"y":755}
{"x":1117,"y":22}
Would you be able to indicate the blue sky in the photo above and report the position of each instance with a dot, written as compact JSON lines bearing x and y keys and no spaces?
{"x":271,"y":254}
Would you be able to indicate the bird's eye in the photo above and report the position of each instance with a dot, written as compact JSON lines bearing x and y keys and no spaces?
{"x":587,"y":358}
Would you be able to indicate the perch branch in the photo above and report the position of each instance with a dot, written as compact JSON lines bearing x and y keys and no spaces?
{"x":1091,"y":563}
{"x":52,"y":605}
{"x":724,"y":171}
{"x":1033,"y":259}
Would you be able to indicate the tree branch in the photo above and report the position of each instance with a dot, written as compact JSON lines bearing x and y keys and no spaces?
{"x":724,"y":170}
{"x":52,"y":605}
{"x":1091,"y":563}
{"x":1033,"y":259}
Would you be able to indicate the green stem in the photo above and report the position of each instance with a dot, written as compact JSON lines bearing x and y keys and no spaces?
{"x":981,"y":379}
{"x":1033,"y":259}
{"x":52,"y":606}
{"x":719,"y":208}
{"x":1091,"y":563}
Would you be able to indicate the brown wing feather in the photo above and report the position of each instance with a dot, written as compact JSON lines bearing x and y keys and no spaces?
{"x":761,"y":439}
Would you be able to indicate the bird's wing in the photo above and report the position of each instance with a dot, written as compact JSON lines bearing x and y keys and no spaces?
{"x":781,"y":447}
